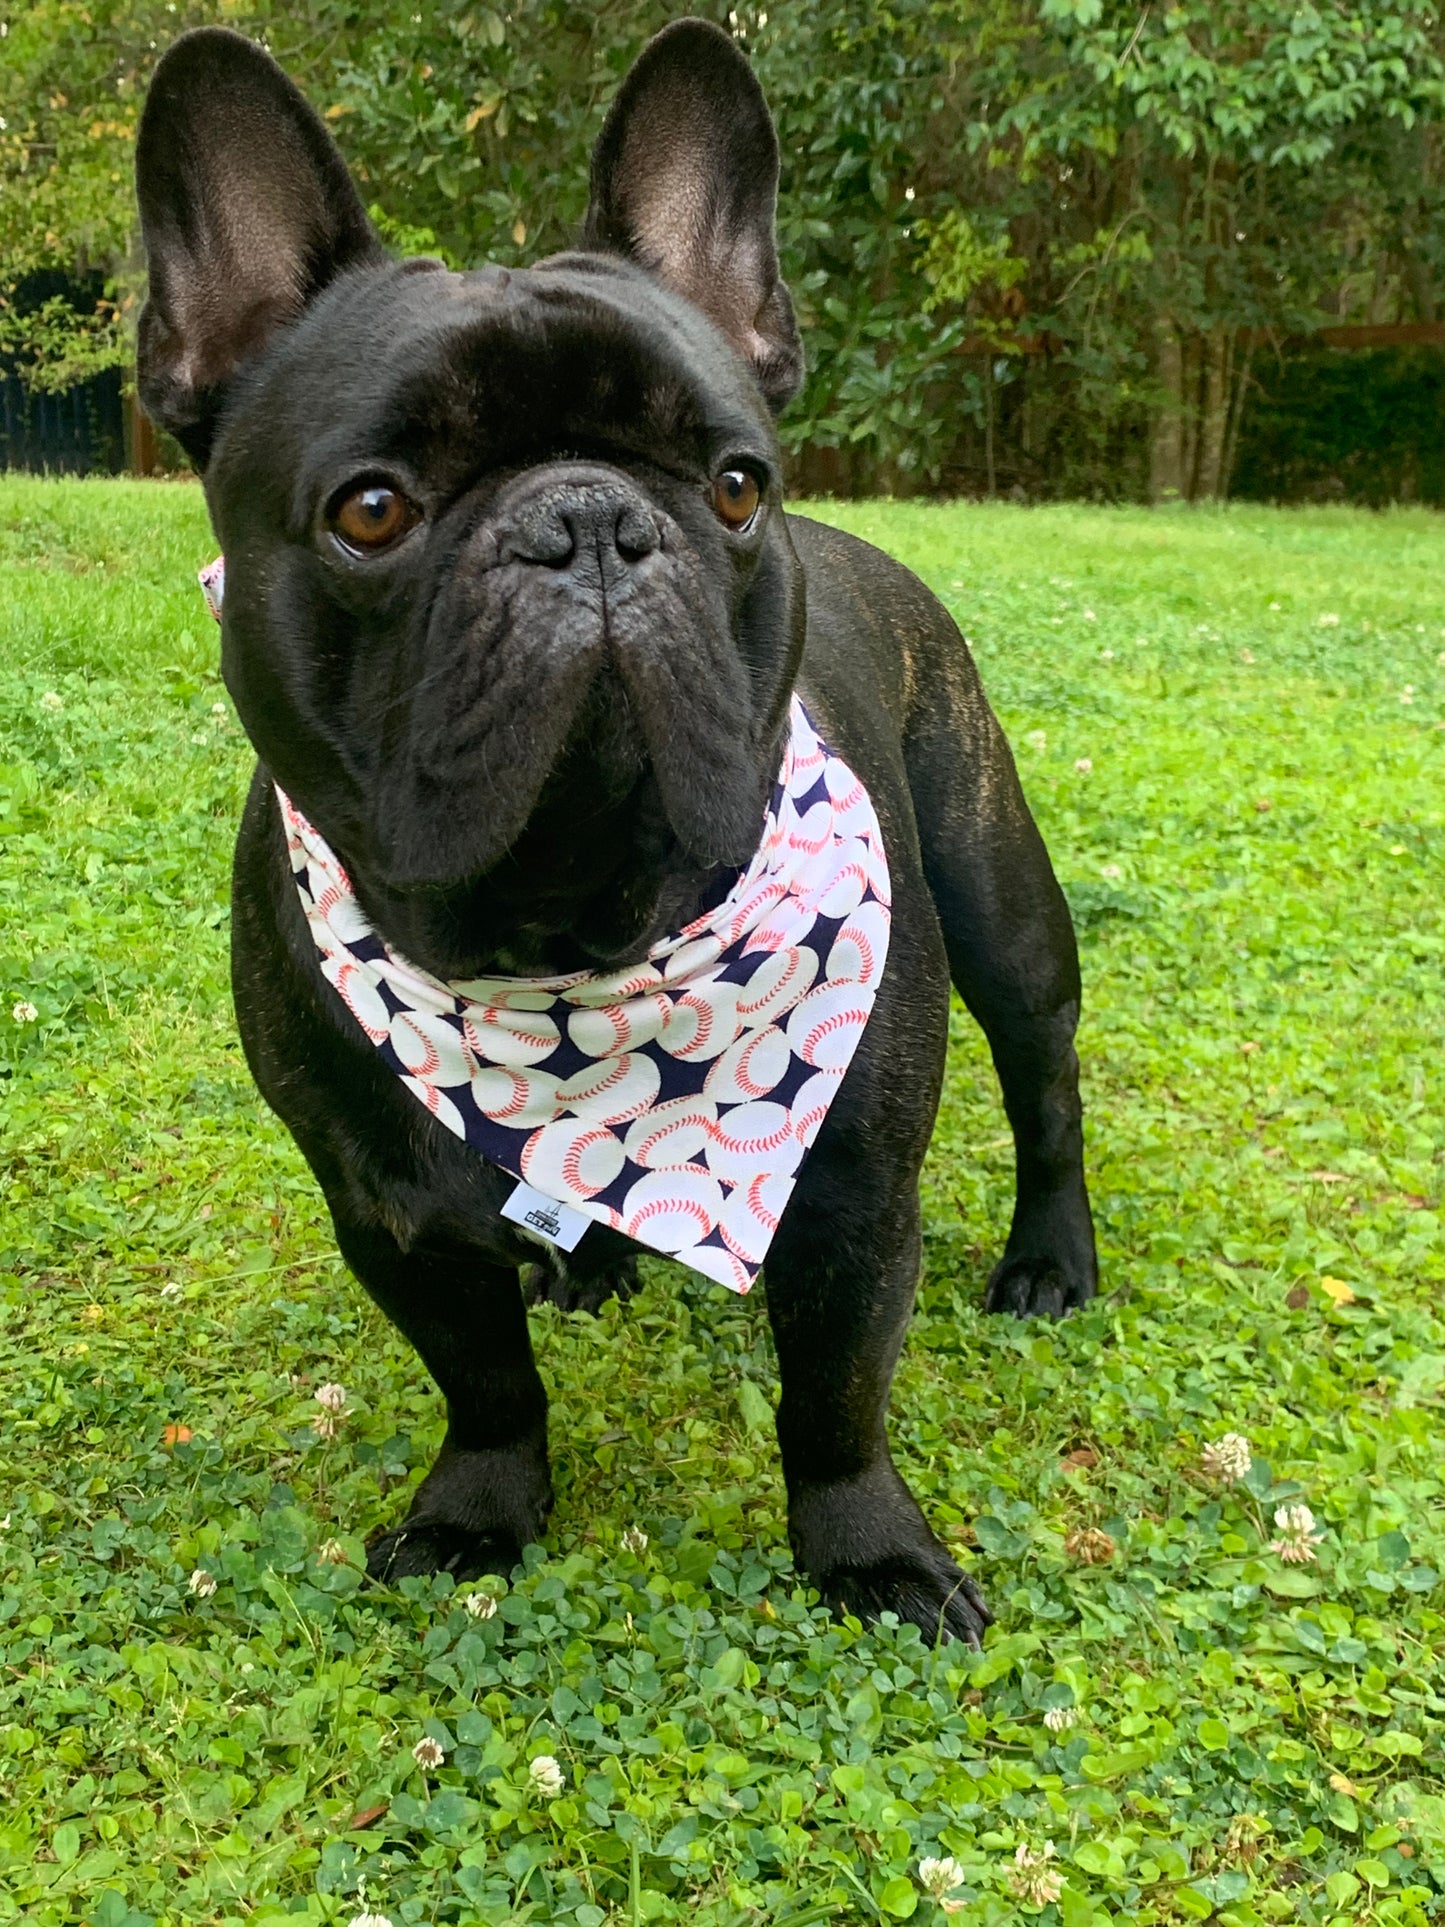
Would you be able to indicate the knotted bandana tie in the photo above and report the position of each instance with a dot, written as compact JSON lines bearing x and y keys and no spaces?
{"x":674,"y":1100}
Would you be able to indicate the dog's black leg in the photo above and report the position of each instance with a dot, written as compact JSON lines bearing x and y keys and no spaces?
{"x":489,"y":1492}
{"x":1013,"y":959}
{"x":841,"y":1277}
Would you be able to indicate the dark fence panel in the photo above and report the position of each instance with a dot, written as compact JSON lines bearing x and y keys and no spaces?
{"x":81,"y":432}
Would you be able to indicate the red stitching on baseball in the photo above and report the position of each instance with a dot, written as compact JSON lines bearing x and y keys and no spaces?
{"x":848,"y":870}
{"x":517,"y":1101}
{"x":742,"y":1076}
{"x":664,"y":1207}
{"x":852,"y":934}
{"x":829,"y":1024}
{"x":572,"y":1162}
{"x":770,"y":996}
{"x":665,"y":1131}
{"x":749,"y":1146}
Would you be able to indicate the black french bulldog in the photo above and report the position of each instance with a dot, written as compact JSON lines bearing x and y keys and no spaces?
{"x":514,"y":614}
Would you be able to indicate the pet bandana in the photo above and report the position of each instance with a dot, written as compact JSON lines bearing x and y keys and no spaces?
{"x":674,"y":1100}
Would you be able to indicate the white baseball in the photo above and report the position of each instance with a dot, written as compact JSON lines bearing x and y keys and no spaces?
{"x":670,"y":1210}
{"x":860,"y":947}
{"x":752,"y":1068}
{"x":568,"y":1161}
{"x":670,"y":1134}
{"x":776,"y":985}
{"x":690,"y":959}
{"x":439,"y":1104}
{"x":342,"y":915}
{"x":595,"y":993}
{"x":811,"y":831}
{"x":514,"y":1038}
{"x":361,"y":997}
{"x":749,"y":1138}
{"x":852,"y":810}
{"x":522,"y":1099}
{"x":810,"y":1105}
{"x":611,"y":1091}
{"x":751,"y":1214}
{"x":825,"y":1027}
{"x":843,"y":891}
{"x":607,"y":1029}
{"x":428,"y":1046}
{"x":764,"y":896}
{"x":702,"y":1023}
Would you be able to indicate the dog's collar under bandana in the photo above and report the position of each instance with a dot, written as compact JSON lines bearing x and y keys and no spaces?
{"x":675,"y":1100}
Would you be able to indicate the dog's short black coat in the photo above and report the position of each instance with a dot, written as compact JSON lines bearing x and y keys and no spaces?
{"x":541,"y":721}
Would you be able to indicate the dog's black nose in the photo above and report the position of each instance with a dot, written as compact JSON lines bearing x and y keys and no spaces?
{"x":598,"y":528}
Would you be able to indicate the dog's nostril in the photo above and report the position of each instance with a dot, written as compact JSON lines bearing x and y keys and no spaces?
{"x":636,"y":535}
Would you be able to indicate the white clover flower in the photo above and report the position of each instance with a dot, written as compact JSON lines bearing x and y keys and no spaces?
{"x":480,"y":1605}
{"x":24,"y":1012}
{"x":546,"y":1776}
{"x":331,"y":1398}
{"x":172,"y":1290}
{"x":1107,"y":654}
{"x":1089,"y":616}
{"x":1111,"y":871}
{"x":1275,"y":607}
{"x":939,"y":1877}
{"x":1083,"y":765}
{"x":1407,"y":694}
{"x":331,"y":1552}
{"x":1058,"y":1719}
{"x":1032,"y":1879}
{"x":1246,"y":655}
{"x":51,"y":701}
{"x":634,"y":1540}
{"x":1227,"y":1460}
{"x":202,"y":1583}
{"x":1329,"y":621}
{"x":218,"y":709}
{"x":428,"y":1753}
{"x":1298,"y":1538}
{"x":1037,"y":739}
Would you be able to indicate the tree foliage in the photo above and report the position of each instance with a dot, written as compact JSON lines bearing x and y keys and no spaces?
{"x":1147,"y":192}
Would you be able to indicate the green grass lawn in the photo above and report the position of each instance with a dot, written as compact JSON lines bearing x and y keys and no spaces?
{"x":1230,"y":727}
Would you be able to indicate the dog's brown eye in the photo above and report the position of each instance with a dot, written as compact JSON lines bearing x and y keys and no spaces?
{"x":373,"y":518}
{"x":735,"y":496}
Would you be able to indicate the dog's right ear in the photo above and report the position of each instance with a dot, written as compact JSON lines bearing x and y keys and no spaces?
{"x":247,"y":211}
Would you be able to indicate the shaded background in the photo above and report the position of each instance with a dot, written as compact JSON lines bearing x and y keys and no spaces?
{"x":1040,"y":248}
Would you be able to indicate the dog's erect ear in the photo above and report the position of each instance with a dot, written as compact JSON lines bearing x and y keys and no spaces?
{"x":247,"y":211}
{"x":685,"y":182}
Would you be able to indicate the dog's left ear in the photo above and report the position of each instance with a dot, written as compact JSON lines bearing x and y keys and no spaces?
{"x":685,"y":182}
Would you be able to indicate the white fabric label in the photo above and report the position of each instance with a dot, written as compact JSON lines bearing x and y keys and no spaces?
{"x":559,"y":1224}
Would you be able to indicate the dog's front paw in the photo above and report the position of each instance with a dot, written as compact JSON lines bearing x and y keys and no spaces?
{"x":1038,"y":1287}
{"x":925,"y":1588}
{"x":473,"y":1513}
{"x":868,"y":1549}
{"x":421,"y":1546}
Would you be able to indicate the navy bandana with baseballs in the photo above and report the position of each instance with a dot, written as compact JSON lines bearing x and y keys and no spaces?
{"x":674,"y":1100}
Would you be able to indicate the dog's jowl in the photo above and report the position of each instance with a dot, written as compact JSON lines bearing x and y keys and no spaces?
{"x":615,"y":836}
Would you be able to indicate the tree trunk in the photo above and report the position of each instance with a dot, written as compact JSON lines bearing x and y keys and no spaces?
{"x":1214,"y":399}
{"x":1166,"y":453}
